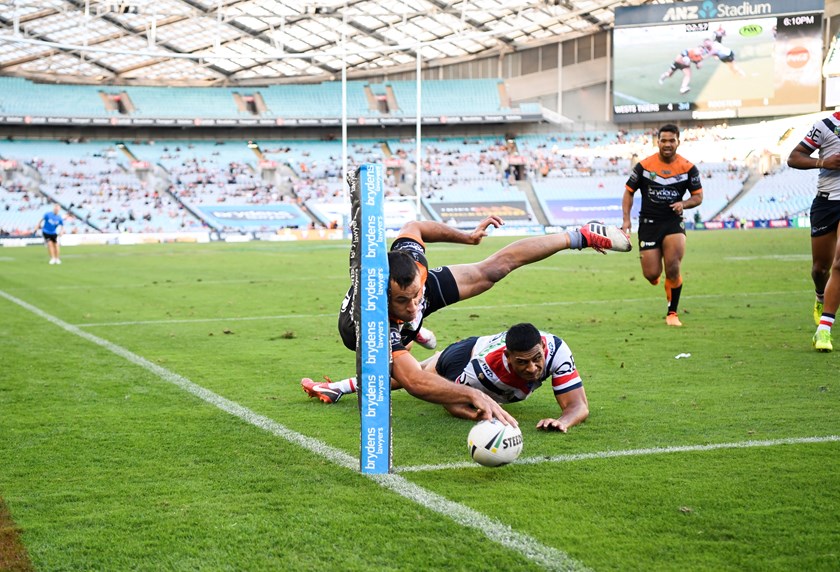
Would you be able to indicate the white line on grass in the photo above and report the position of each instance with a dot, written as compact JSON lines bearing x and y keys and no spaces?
{"x":191,"y":283}
{"x":545,"y":556}
{"x":464,"y":308}
{"x":631,"y":453}
{"x":204,"y":320}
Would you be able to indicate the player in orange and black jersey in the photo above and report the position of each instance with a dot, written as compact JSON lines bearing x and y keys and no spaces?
{"x":683,"y":62}
{"x":664,"y":180}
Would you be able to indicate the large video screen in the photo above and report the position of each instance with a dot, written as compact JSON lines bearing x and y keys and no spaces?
{"x":707,"y":60}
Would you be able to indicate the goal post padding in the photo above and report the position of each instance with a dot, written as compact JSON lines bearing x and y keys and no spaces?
{"x":369,"y":275}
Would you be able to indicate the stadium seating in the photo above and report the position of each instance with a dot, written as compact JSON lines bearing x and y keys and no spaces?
{"x":95,"y":179}
{"x":779,"y":195}
{"x":23,"y":97}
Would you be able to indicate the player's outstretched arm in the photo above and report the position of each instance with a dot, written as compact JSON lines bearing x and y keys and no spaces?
{"x":575,"y":410}
{"x":431,"y":231}
{"x":431,"y":387}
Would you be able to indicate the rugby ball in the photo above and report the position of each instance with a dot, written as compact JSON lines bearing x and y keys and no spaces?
{"x":491,"y":443}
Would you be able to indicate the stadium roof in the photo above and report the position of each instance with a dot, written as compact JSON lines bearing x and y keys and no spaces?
{"x":230,"y":42}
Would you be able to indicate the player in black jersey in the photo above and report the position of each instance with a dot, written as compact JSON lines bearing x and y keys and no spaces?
{"x":664,"y":179}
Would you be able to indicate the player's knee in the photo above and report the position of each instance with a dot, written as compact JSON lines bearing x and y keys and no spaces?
{"x":493,"y":270}
{"x":820,"y":269}
{"x":653,"y":278}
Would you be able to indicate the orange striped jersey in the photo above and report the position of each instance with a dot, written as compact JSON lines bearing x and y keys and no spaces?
{"x":663,"y":184}
{"x":488,"y":370}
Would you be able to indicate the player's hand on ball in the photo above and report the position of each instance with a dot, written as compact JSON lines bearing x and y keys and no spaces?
{"x":487,"y":409}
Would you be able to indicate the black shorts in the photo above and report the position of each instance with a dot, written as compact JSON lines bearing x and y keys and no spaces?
{"x":653,"y":232}
{"x":50,"y":237}
{"x":825,"y":215}
{"x":455,"y":358}
{"x":441,"y":291}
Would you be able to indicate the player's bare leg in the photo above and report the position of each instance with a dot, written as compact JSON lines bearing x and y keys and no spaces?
{"x":474,"y":279}
{"x":685,"y":87}
{"x":673,"y":250}
{"x":822,"y":337}
{"x":822,"y":257}
{"x":651,"y":265}
{"x":430,"y":363}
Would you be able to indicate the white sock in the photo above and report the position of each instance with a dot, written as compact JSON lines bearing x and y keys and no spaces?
{"x":345,"y":385}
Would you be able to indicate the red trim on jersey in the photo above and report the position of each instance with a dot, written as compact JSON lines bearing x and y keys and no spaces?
{"x":495,"y":360}
{"x":563,"y":379}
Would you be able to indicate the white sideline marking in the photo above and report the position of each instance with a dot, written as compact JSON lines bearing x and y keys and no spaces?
{"x":630,"y":453}
{"x":465,"y":308}
{"x":495,"y":530}
{"x":168,"y":283}
{"x":204,"y":320}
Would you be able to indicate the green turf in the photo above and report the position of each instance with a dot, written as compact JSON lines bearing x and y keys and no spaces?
{"x":105,"y":466}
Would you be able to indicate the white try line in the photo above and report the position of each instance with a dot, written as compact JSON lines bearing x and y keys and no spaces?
{"x":630,"y":453}
{"x":463,"y":308}
{"x":495,"y":530}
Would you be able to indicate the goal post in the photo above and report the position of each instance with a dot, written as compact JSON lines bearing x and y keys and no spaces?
{"x":369,"y":275}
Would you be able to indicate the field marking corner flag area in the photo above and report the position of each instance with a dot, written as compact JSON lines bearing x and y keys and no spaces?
{"x":369,"y":273}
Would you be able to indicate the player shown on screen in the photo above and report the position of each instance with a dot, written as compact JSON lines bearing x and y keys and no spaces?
{"x":683,"y":63}
{"x":723,"y":54}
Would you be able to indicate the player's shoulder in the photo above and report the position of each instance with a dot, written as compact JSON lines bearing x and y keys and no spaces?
{"x":830,"y":124}
{"x":650,"y":160}
{"x":554,"y":342}
{"x":683,"y":163}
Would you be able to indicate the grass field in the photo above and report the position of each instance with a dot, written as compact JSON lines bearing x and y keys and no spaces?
{"x":151,"y":417}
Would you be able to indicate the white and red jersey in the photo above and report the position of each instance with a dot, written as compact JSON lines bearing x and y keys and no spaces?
{"x":488,"y":369}
{"x":825,"y":137}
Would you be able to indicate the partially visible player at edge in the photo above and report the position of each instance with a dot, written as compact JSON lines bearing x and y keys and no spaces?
{"x":825,"y":214}
{"x":510,"y":366}
{"x":415,"y":291}
{"x":664,"y":178}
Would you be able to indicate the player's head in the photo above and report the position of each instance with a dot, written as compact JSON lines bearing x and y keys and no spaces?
{"x":401,"y":267}
{"x":405,"y":287}
{"x":522,"y":337}
{"x":668,"y":128}
{"x":668,"y":139}
{"x":56,"y":208}
{"x":525,"y":351}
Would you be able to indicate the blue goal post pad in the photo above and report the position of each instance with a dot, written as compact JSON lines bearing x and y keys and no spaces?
{"x":369,"y":275}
